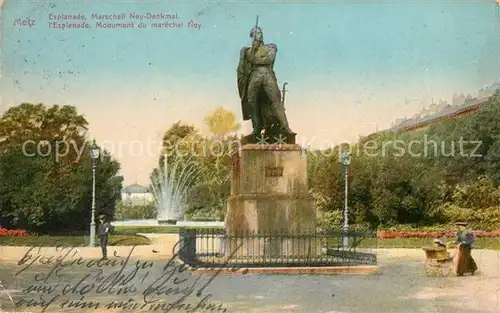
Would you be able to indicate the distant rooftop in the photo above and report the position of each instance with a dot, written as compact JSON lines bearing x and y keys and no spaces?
{"x":135,"y":188}
{"x":448,"y":111}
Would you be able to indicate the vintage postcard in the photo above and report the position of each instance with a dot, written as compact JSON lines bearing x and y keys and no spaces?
{"x":250,"y":156}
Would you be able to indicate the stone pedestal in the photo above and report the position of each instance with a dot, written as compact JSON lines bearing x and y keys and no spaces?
{"x":270,"y":201}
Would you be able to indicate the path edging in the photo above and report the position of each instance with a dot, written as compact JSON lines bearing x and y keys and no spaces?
{"x":318,"y":270}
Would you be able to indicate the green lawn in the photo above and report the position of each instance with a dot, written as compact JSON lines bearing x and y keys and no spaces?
{"x":411,"y":243}
{"x":481,"y":243}
{"x":414,"y":243}
{"x":77,"y":241}
{"x":126,"y":235}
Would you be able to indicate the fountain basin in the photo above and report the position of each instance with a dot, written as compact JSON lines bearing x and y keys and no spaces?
{"x":167,"y":222}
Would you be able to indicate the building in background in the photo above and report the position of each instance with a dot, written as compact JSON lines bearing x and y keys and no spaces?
{"x":461,"y":105}
{"x":136,"y":194}
{"x":420,"y":122}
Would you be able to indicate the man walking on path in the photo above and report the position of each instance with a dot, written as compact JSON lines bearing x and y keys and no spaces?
{"x":104,"y":230}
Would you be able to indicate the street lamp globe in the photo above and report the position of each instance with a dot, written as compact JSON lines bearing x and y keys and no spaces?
{"x":94,"y":151}
{"x":345,"y":158}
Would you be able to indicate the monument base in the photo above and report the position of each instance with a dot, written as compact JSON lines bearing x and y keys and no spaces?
{"x":271,"y":226}
{"x":274,"y":214}
{"x":270,"y":212}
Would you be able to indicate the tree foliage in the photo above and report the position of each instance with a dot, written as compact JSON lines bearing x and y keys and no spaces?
{"x":452,"y":164}
{"x":221,"y":122}
{"x":208,"y":192}
{"x":126,"y":211}
{"x":49,"y":188}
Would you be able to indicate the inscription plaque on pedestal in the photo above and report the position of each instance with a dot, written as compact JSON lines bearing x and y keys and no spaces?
{"x":276,"y":171}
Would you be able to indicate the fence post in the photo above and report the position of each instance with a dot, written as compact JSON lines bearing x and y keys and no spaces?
{"x":187,"y":248}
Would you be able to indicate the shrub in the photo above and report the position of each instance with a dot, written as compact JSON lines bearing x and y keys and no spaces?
{"x":481,"y":193}
{"x":126,"y":210}
{"x":485,"y":219}
{"x":329,"y":220}
{"x":204,"y":214}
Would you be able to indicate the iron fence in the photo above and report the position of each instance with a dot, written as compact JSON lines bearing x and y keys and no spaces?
{"x":218,"y":248}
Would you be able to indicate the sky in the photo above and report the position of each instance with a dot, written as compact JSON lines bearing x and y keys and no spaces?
{"x":352,"y":67}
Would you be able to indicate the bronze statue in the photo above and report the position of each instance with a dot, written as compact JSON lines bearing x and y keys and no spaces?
{"x":261,"y":100}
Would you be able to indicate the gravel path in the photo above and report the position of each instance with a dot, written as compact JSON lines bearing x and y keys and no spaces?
{"x":400,"y":286}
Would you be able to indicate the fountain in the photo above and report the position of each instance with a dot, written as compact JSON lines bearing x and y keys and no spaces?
{"x":170,"y":185}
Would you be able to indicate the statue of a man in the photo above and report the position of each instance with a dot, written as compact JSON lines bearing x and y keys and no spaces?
{"x":259,"y":92}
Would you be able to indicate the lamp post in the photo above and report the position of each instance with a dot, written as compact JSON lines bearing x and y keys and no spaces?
{"x":345,"y":159}
{"x":94,"y":154}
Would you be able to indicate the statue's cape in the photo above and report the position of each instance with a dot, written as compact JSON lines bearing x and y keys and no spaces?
{"x":243,"y":77}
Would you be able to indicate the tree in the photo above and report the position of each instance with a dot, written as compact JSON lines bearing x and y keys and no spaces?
{"x":450,"y":178}
{"x":50,"y":190}
{"x":126,"y":211}
{"x":30,"y":122}
{"x":221,"y":122}
{"x":209,"y":191}
{"x":176,"y":132}
{"x":175,"y":138}
{"x":215,"y":172}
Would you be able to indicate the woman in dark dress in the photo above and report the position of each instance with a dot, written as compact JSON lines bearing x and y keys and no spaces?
{"x":464,"y":262}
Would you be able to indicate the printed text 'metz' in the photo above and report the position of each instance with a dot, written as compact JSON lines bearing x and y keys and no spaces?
{"x":24,"y":22}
